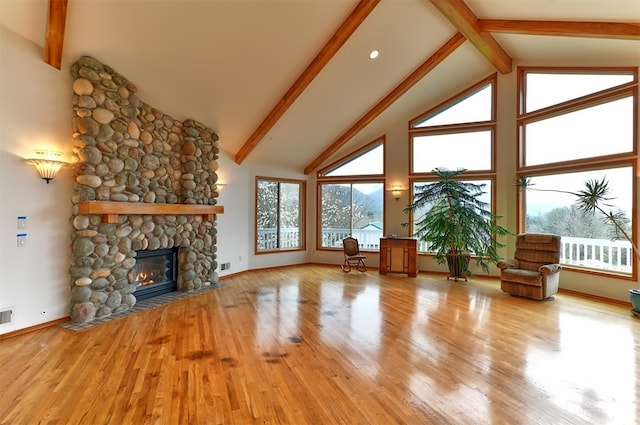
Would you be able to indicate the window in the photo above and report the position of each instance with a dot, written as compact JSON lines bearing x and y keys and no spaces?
{"x":485,"y":197}
{"x":279,"y":214}
{"x":603,"y":129}
{"x":588,"y":240}
{"x":576,"y":126}
{"x":351,"y":209}
{"x":367,"y":161}
{"x":435,"y":151}
{"x":460,"y":133}
{"x":351,"y":198}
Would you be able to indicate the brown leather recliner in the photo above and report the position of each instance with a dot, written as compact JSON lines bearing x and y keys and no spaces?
{"x":535,"y":270}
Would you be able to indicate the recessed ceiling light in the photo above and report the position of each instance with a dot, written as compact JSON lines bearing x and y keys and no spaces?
{"x":374,"y":54}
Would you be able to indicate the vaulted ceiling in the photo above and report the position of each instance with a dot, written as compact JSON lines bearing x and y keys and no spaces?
{"x":290,"y":82}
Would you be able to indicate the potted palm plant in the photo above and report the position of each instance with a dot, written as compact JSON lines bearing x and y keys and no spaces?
{"x":456,"y":223}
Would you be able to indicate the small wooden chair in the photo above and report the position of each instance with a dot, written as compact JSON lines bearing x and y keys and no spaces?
{"x":352,"y":255}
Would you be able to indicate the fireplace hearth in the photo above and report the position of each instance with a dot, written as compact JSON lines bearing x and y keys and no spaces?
{"x":156,"y":272}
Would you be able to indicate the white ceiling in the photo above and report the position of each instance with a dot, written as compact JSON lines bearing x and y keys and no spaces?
{"x":227,"y":63}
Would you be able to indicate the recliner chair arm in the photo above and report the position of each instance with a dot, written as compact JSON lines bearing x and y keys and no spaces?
{"x":508,"y":264}
{"x":550,"y":268}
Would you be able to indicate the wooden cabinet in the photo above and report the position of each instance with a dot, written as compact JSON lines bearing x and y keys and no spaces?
{"x":399,"y":255}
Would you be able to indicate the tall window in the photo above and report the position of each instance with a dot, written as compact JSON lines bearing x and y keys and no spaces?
{"x":351,"y":198}
{"x":576,"y":126}
{"x":459,"y":133}
{"x":418,"y":213}
{"x":279,"y":214}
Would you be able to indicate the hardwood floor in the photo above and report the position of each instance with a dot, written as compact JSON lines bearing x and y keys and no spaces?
{"x":313,"y":345}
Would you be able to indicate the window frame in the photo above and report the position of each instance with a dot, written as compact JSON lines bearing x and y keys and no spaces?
{"x":490,"y":125}
{"x":321,"y":179}
{"x":349,"y":182}
{"x":470,"y":177}
{"x":601,"y":162}
{"x":321,"y":174}
{"x":302,"y":208}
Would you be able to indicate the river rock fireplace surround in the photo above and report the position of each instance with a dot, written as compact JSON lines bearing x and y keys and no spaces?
{"x":143,"y":181}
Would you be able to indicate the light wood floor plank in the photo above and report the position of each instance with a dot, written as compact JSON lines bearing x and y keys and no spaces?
{"x":312,"y":345}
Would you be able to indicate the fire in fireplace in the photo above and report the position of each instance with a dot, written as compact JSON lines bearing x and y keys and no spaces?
{"x":156,"y":272}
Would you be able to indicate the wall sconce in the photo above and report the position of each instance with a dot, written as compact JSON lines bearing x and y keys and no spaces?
{"x":397,"y":192}
{"x":47,"y":163}
{"x":220,"y":186}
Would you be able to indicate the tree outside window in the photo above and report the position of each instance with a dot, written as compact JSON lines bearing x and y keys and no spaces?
{"x":279,"y":215}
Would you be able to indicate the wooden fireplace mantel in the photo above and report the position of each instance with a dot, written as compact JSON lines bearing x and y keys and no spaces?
{"x":111,"y":210}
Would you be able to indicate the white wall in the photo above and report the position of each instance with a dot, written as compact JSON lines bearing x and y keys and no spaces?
{"x":35,"y":112}
{"x":233,"y":230}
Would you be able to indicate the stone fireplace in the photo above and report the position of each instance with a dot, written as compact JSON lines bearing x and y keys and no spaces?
{"x":144,"y":182}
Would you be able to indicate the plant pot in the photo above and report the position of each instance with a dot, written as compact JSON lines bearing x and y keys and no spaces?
{"x":458,"y":266}
{"x":634,"y":296}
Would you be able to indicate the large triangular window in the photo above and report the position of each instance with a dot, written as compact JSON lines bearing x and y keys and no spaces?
{"x":547,"y":88}
{"x":367,"y":161}
{"x":474,"y":106}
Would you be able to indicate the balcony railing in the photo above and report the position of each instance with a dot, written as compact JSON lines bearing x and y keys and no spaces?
{"x":602,"y":254}
{"x":367,"y":238}
{"x":268,"y":239}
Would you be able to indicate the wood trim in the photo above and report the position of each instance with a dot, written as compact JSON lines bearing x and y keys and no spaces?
{"x":34,"y":328}
{"x":111,"y":210}
{"x":465,"y":21}
{"x":595,"y":298}
{"x":615,"y":30}
{"x":55,"y":32}
{"x":337,"y":40}
{"x":434,"y":60}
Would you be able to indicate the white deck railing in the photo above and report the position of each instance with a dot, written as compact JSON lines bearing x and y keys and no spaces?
{"x":268,"y":238}
{"x":600,"y":254}
{"x":367,"y":238}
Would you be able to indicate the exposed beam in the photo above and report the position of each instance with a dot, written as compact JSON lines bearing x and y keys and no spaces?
{"x":617,"y":30}
{"x":337,"y":40}
{"x":441,"y":54}
{"x":459,"y":14}
{"x":55,"y":32}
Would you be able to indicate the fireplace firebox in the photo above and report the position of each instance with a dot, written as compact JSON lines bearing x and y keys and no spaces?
{"x":156,"y":272}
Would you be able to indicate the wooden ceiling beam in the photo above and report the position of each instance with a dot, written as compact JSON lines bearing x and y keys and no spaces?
{"x":615,"y":30}
{"x":465,"y":21}
{"x":337,"y":40}
{"x":55,"y":32}
{"x":434,"y":60}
